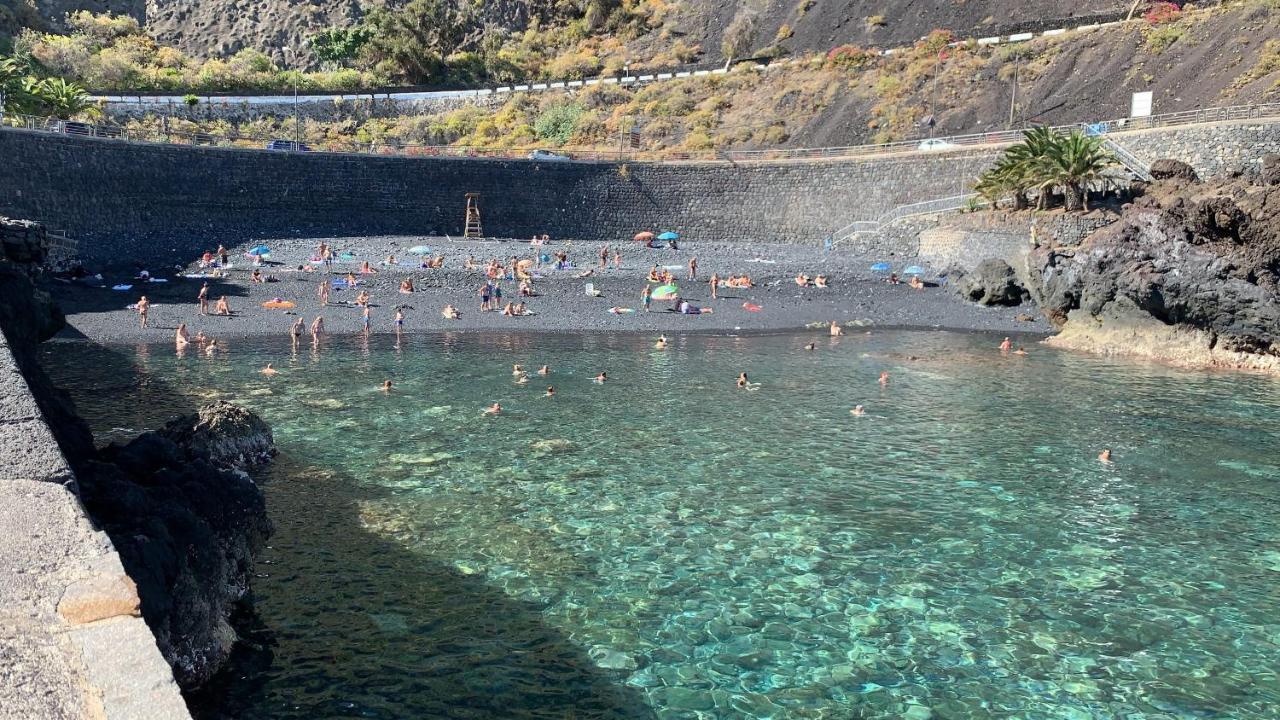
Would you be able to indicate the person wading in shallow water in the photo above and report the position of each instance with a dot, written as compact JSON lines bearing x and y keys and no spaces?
{"x":203,"y":299}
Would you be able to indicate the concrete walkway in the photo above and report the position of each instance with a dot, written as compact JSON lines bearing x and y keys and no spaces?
{"x":72,"y":642}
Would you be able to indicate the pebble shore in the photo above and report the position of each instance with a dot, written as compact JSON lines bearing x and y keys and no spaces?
{"x":857,"y":297}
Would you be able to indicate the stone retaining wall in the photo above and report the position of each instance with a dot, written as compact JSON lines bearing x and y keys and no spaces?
{"x":72,"y":642}
{"x":1210,"y":149}
{"x":215,"y":108}
{"x":129,"y":201}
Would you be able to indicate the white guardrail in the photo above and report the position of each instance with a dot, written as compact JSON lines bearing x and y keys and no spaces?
{"x":411,"y":95}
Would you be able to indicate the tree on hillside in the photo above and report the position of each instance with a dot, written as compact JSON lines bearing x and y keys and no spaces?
{"x":411,"y":42}
{"x":339,"y":46}
{"x":740,"y":35}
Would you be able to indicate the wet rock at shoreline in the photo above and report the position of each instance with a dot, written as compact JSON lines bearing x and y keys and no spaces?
{"x":1188,"y":275}
{"x":227,"y":434}
{"x":187,"y":527}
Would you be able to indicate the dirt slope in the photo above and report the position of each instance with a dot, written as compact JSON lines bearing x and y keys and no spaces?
{"x":204,"y":28}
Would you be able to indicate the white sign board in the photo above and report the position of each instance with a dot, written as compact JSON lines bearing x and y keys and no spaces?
{"x":1141,"y":105}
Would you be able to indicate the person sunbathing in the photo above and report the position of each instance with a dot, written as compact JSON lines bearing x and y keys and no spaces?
{"x":450,"y":313}
{"x":509,"y":310}
{"x":351,"y":280}
{"x":916,"y":282}
{"x":820,"y":281}
{"x":406,"y":285}
{"x":520,"y":310}
{"x":436,"y":263}
{"x":365,"y":268}
{"x":222,"y":308}
{"x":362,"y":298}
{"x":653,"y":274}
{"x":802,"y":280}
{"x":526,"y":288}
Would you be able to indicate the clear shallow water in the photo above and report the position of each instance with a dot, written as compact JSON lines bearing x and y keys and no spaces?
{"x":668,"y":546}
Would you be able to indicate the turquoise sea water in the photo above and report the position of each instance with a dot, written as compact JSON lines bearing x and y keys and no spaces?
{"x":667,"y":545}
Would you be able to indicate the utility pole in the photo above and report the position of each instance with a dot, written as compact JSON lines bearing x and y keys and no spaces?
{"x":1013,"y":98}
{"x":933,"y":93}
{"x":297,"y":129}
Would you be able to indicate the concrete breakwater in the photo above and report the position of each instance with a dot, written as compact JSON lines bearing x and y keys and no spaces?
{"x":73,"y":643}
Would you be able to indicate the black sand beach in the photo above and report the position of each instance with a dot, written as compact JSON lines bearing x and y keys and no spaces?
{"x":856,"y":298}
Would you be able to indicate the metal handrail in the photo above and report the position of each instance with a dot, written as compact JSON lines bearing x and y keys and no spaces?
{"x":955,"y":142}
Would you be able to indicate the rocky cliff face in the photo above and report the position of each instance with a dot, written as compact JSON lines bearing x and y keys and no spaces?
{"x":1190,"y":274}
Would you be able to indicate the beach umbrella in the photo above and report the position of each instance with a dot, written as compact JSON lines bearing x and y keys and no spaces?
{"x":880,"y":267}
{"x":260,"y":250}
{"x":665,"y":292}
{"x":668,"y":235}
{"x":419,"y":250}
{"x":645,"y":236}
{"x":913,"y":270}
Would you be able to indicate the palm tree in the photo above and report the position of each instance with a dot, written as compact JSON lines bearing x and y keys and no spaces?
{"x":63,"y":99}
{"x":1074,"y":162}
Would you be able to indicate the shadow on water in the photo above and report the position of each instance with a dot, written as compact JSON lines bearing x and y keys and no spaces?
{"x":354,"y":625}
{"x":348,"y":624}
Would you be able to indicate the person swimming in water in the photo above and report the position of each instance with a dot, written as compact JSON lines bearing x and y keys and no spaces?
{"x":1020,"y":351}
{"x":522,"y":379}
{"x":551,"y":391}
{"x":662,"y":342}
{"x":836,"y":330}
{"x":269,"y":371}
{"x":1006,"y":345}
{"x":544,"y":370}
{"x":811,"y":346}
{"x":884,"y":378}
{"x":602,"y":377}
{"x":493,"y":409}
{"x":1105,"y":456}
{"x":386,"y":386}
{"x":857,"y":410}
{"x":517,"y":369}
{"x":742,"y":380}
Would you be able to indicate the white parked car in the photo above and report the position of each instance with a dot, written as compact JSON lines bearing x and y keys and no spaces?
{"x":548,"y":156}
{"x":935,"y":144}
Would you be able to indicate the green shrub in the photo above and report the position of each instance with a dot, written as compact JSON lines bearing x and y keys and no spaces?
{"x":557,"y":123}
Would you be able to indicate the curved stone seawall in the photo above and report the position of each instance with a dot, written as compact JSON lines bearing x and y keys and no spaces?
{"x":72,"y":642}
{"x":174,"y":200}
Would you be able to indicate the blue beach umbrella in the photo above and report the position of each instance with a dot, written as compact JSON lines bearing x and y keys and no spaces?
{"x":913,"y":270}
{"x":419,"y":250}
{"x":880,"y":267}
{"x":260,"y":250}
{"x":668,"y":235}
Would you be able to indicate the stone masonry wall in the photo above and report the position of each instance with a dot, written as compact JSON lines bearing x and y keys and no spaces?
{"x":372,"y":106}
{"x":129,"y":201}
{"x":1210,"y":149}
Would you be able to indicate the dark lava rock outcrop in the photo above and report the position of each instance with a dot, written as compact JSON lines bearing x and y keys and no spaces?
{"x":1189,"y":274}
{"x":187,"y":528}
{"x":992,"y":282}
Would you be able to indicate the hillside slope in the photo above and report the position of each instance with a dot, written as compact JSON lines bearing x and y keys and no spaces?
{"x":210,"y":28}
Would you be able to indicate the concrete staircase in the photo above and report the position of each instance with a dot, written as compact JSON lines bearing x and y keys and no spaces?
{"x":861,"y":229}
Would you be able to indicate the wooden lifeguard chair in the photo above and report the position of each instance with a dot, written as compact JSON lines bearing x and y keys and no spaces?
{"x":472,"y":227}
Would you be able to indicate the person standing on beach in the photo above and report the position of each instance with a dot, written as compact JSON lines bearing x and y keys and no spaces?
{"x":368,"y":319}
{"x":144,"y":306}
{"x":604,"y":257}
{"x":715,"y":283}
{"x":223,"y":259}
{"x":399,"y":320}
{"x":617,"y":259}
{"x":324,"y":292}
{"x":646,"y":297}
{"x":203,"y":299}
{"x":486,"y":291}
{"x":693,"y":268}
